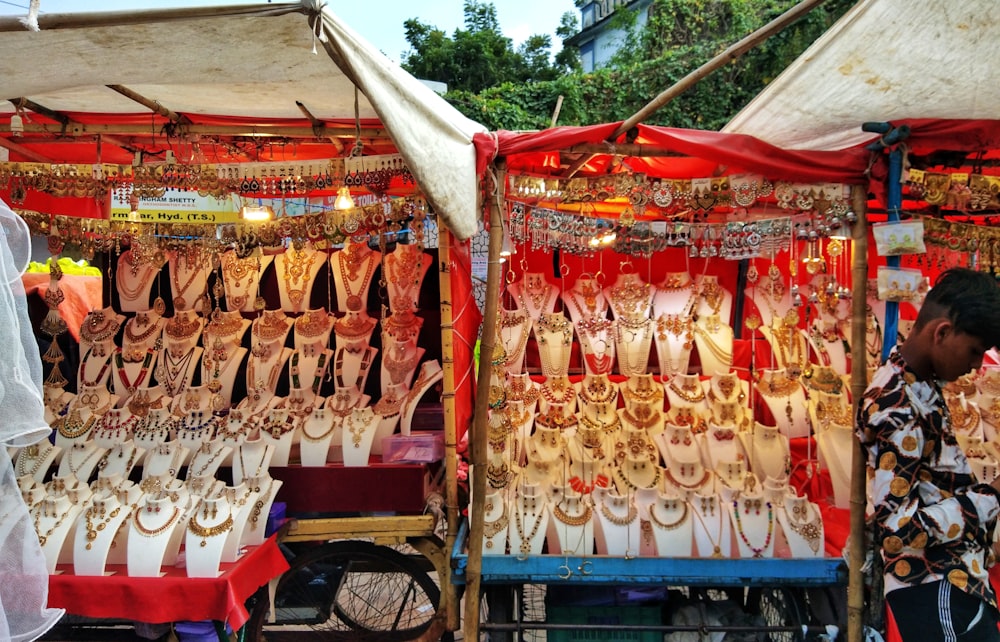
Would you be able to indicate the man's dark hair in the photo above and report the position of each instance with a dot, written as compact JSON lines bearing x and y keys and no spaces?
{"x":969,"y":299}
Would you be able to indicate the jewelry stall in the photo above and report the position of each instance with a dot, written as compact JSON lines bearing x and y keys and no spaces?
{"x":669,"y":375}
{"x":275,"y":375}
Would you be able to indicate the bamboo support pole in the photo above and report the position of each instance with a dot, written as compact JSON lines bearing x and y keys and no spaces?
{"x":859,"y":381}
{"x":450,"y":421}
{"x":731,"y":53}
{"x":477,"y":438}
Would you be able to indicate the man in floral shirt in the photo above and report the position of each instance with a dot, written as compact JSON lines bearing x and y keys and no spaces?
{"x":933,"y":520}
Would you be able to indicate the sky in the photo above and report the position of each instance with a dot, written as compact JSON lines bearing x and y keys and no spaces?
{"x":378,"y":21}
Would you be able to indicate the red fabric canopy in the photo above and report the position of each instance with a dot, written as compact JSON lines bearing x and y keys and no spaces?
{"x":705,"y":151}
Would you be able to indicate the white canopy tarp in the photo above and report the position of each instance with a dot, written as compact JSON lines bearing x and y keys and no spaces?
{"x":246,"y":61}
{"x":884,"y":60}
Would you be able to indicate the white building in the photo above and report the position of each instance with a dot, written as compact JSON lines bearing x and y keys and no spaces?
{"x":598,"y":40}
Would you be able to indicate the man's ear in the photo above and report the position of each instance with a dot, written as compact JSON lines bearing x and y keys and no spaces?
{"x":941,"y":329}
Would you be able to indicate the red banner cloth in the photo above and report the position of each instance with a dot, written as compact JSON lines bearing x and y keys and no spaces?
{"x":82,"y":294}
{"x":172,"y":597}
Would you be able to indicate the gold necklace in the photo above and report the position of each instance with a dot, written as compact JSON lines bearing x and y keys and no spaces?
{"x":714,"y":541}
{"x":73,"y":425}
{"x":712,"y":294}
{"x":806,"y":525}
{"x":526,"y":539}
{"x":94,"y":527}
{"x":354,"y":326}
{"x":631,"y":485}
{"x":710,"y":342}
{"x":272,"y":325}
{"x":297,"y":265}
{"x":404,"y":270}
{"x":572,"y":520}
{"x":153,"y":532}
{"x":641,"y":416}
{"x":689,"y":391}
{"x":521,"y":321}
{"x":349,"y":272}
{"x":645,"y":391}
{"x":618,"y":520}
{"x":235,"y":270}
{"x":44,"y":537}
{"x":180,"y":327}
{"x":589,"y":291}
{"x":358,"y":430}
{"x":141,"y":320}
{"x":312,"y":323}
{"x":179,"y":301}
{"x":223,"y":324}
{"x":204,"y":532}
{"x":538,"y":292}
{"x":37,"y":457}
{"x":684,"y":483}
{"x":491,"y":529}
{"x":126,"y":291}
{"x":668,"y":526}
{"x":630,"y":298}
{"x":99,"y":326}
{"x":547,"y":325}
{"x":962,"y":419}
{"x":633,"y":351}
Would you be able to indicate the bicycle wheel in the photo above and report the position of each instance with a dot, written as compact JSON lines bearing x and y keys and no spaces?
{"x":350,"y":590}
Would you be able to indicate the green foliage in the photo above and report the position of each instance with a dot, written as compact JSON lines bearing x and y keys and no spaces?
{"x":679,"y":36}
{"x":479,"y":56}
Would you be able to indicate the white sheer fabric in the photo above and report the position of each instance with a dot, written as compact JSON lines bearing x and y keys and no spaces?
{"x":23,"y":612}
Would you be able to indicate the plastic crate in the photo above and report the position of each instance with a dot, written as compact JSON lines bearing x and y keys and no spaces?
{"x":613,"y":615}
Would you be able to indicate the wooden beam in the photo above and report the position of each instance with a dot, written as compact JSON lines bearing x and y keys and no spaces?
{"x":27,"y":103}
{"x":151,"y":105}
{"x":249,"y":131}
{"x":636,"y":151}
{"x":24,"y":151}
{"x":319,"y":127}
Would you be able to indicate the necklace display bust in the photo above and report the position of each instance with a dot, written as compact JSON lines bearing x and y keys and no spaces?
{"x":134,"y":279}
{"x":188,"y":279}
{"x":585,"y":299}
{"x":534,"y":294}
{"x":241,"y":276}
{"x":630,"y":296}
{"x":404,"y":270}
{"x":672,"y":525}
{"x":352,"y":270}
{"x":296,"y":269}
{"x":618,"y":531}
{"x":572,"y":523}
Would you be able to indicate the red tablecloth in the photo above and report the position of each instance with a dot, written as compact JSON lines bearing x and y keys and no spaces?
{"x":172,"y":597}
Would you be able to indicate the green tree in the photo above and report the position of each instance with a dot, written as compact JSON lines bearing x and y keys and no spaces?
{"x":479,"y":56}
{"x":678,"y":36}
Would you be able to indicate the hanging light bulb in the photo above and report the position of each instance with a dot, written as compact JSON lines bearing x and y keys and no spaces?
{"x":343,"y":200}
{"x":133,"y":206}
{"x":506,"y":247}
{"x":257,"y":213}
